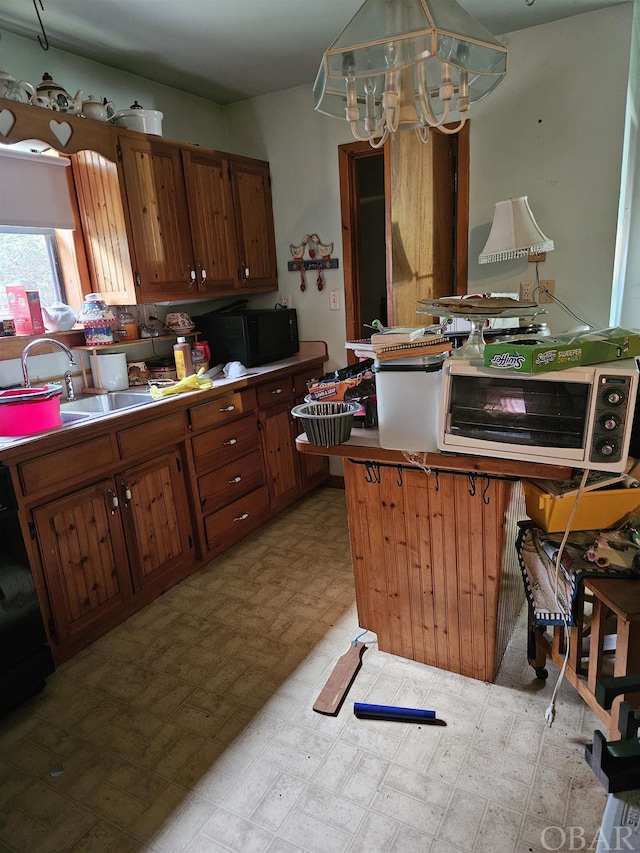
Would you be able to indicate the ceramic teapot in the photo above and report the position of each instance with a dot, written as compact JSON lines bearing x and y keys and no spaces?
{"x":53,"y":97}
{"x":96,"y":109}
{"x":15,"y":90}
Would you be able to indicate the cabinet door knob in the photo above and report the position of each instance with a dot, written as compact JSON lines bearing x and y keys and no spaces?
{"x":229,"y":408}
{"x":192,"y":276}
{"x":230,"y":441}
{"x":277,"y":391}
{"x":235,"y":479}
{"x":242,"y":517}
{"x":203,"y":275}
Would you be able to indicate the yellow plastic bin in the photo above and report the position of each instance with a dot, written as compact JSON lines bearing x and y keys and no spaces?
{"x":597,"y":510}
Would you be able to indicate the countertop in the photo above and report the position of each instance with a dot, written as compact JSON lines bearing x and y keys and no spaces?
{"x":364,"y":445}
{"x":309,"y":351}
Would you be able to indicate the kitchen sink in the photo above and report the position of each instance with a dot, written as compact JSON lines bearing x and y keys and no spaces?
{"x":97,"y":404}
{"x":73,"y":417}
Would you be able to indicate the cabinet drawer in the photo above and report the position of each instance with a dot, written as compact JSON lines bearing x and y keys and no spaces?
{"x":232,"y":481}
{"x":66,"y":466}
{"x":279,"y":391}
{"x":226,"y":443}
{"x":148,"y":436}
{"x":223,"y":409}
{"x":230,"y":524}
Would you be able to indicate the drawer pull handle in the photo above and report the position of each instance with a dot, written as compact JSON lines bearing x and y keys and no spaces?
{"x":230,"y":441}
{"x":227,"y":408}
{"x":277,"y":391}
{"x":114,"y":501}
{"x":235,"y":479}
{"x":242,"y":517}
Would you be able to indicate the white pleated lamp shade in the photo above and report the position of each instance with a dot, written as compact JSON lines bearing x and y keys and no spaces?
{"x":514,"y":233}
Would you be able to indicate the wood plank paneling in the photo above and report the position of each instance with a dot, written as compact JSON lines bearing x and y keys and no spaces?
{"x":427,"y":551}
{"x":103,"y":227}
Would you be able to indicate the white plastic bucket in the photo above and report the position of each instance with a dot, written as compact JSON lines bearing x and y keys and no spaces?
{"x":109,"y":371}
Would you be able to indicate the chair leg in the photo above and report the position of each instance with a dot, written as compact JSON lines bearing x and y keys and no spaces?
{"x":536,"y":655}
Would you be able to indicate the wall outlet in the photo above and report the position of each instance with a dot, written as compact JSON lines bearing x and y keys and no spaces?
{"x":285,"y":301}
{"x":526,"y":290}
{"x":547,"y":289}
{"x":334,"y":300}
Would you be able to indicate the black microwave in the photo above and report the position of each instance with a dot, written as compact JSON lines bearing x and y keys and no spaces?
{"x":253,"y":336}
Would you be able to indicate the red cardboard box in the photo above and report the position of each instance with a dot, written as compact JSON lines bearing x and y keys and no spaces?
{"x":25,"y":309}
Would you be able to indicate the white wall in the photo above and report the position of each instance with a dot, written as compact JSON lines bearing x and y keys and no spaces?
{"x":552,"y":130}
{"x":301,"y":146}
{"x":186,"y":117}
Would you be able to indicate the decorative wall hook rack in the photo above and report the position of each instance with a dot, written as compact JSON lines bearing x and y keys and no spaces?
{"x":319,"y":259}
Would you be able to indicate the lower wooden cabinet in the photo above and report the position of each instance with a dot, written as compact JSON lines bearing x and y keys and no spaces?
{"x":153,"y":503}
{"x":103,"y":544}
{"x":85,"y":561}
{"x":120,"y":516}
{"x":313,"y":469}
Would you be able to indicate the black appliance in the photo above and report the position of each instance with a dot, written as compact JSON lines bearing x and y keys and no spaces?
{"x":252,"y":336}
{"x":25,"y":659}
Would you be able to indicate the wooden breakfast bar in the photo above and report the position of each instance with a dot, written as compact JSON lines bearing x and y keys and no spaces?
{"x":433,"y":549}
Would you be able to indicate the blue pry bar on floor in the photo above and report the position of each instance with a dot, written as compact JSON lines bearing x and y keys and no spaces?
{"x":392,"y":712}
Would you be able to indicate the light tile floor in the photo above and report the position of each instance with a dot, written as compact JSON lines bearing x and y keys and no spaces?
{"x":190,"y":728}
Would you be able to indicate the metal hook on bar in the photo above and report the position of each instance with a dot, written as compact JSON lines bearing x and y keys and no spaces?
{"x":399,"y":481}
{"x":486,"y":500}
{"x":472,"y":484}
{"x":437,"y":486}
{"x":44,"y":45}
{"x":373,"y":472}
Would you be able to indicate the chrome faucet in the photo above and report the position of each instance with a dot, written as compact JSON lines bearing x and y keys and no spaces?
{"x":68,"y":382}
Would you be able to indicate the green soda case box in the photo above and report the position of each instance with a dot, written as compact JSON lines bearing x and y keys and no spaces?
{"x":543,"y":356}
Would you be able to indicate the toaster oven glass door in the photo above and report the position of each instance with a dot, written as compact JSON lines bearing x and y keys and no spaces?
{"x":540,"y":413}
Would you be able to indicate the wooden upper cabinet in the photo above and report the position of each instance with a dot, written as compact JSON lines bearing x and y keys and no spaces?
{"x":158,"y":217}
{"x":254,"y":222}
{"x":103,"y":227}
{"x":211,"y":213}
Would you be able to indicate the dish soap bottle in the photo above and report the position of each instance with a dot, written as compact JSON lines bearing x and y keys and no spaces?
{"x":182,"y":355}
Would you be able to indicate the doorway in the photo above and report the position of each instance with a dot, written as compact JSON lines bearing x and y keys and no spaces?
{"x":405,"y":220}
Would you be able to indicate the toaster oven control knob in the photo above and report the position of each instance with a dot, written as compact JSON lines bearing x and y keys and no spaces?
{"x":607,"y":447}
{"x":613,"y":397}
{"x":610,"y":421}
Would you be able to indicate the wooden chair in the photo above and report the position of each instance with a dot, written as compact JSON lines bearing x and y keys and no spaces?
{"x":595,"y":650}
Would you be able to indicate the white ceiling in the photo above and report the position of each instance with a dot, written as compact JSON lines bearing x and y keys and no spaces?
{"x":230,"y":50}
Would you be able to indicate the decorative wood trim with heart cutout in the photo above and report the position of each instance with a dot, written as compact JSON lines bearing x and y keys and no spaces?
{"x":62,"y":131}
{"x":7,"y":120}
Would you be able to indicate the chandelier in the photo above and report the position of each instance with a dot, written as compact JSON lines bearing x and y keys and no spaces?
{"x":408,"y":64}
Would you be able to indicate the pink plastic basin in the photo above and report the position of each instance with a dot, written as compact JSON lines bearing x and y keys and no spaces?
{"x":25,"y":411}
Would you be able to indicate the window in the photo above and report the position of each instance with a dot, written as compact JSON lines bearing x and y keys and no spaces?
{"x":30,"y":255}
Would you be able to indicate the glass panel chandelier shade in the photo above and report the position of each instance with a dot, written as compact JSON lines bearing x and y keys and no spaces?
{"x":514,"y":233}
{"x":429,"y":55}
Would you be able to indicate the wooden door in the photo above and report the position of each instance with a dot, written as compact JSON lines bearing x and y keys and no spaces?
{"x":280,"y":454}
{"x":421,"y":223}
{"x":103,"y":227}
{"x":155,"y":512}
{"x":84,"y":559}
{"x":213,"y":227}
{"x":159,"y":218}
{"x":417,"y":218}
{"x":254,"y":223}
